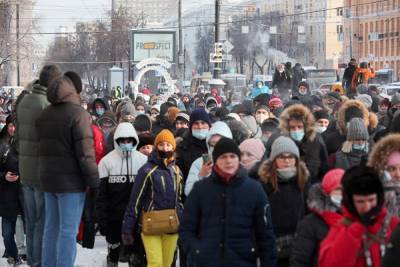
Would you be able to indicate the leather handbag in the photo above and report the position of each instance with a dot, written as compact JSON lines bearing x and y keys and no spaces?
{"x":158,"y":222}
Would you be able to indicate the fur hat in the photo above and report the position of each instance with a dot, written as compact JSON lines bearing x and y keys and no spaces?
{"x":298,"y":112}
{"x":144,"y":140}
{"x":321,"y":114}
{"x":382,"y":150}
{"x":360,"y":180}
{"x":49,"y":73}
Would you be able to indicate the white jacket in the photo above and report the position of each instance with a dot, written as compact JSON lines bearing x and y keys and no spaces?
{"x":218,"y":128}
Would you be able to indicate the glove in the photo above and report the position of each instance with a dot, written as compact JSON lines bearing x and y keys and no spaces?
{"x":368,"y":218}
{"x":127,"y":239}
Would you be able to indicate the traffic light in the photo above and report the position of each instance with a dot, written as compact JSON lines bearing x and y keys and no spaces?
{"x":216,"y":57}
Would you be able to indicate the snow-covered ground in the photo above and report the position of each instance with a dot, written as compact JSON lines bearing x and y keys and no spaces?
{"x":85,"y":258}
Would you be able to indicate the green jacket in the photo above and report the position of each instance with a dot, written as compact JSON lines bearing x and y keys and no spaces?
{"x":28,"y":110}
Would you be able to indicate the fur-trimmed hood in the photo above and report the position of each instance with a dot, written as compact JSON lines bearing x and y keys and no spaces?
{"x":318,"y":201}
{"x":381,"y":151}
{"x":370,"y":119}
{"x":298,"y":110}
{"x":265,"y":171}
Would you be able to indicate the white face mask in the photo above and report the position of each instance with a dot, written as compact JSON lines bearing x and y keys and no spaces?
{"x":321,"y":129}
{"x":287,"y":173}
{"x":336,"y":200}
{"x":2,"y":125}
{"x":260,"y":118}
{"x":386,"y":176}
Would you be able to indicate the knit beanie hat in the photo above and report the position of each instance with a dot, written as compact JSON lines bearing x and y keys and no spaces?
{"x":357,"y":130}
{"x":365,"y":99}
{"x":165,"y":136}
{"x":225,"y":145}
{"x":332,"y":180}
{"x":182,"y":116}
{"x":254,"y":147}
{"x":142,"y":123}
{"x":321,"y":114}
{"x":362,"y":89}
{"x":361,"y":180}
{"x":395,"y":99}
{"x":199,"y":115}
{"x":275,"y":101}
{"x":144,"y":140}
{"x":251,"y":124}
{"x":282,"y":145}
{"x":128,"y":109}
{"x":264,"y":107}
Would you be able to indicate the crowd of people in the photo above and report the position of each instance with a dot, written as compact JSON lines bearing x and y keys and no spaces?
{"x":196,"y":181}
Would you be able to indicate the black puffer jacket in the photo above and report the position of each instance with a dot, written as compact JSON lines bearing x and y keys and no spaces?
{"x":188,"y":151}
{"x":66,"y":151}
{"x":313,"y":228}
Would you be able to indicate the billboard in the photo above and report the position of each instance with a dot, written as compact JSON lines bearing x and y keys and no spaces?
{"x":153,"y":44}
{"x":116,"y":82}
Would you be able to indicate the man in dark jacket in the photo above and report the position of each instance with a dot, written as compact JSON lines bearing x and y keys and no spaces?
{"x":67,"y":167}
{"x":220,"y":227}
{"x":348,"y":74}
{"x":281,"y":80}
{"x":298,"y":75}
{"x":28,"y":111}
{"x":193,"y":144}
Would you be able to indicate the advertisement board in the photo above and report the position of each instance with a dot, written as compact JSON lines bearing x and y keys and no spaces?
{"x":116,"y":82}
{"x":153,"y":44}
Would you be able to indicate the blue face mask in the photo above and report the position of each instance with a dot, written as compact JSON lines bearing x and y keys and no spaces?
{"x":386,"y":176}
{"x":100,"y":111}
{"x":200,"y":134}
{"x":126,"y":147}
{"x":360,"y":147}
{"x":297,"y":135}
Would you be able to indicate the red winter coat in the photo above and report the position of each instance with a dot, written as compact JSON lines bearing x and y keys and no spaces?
{"x":99,"y":145}
{"x":343,"y":245}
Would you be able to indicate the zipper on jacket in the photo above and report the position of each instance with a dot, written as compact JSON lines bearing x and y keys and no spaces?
{"x":163,"y":182}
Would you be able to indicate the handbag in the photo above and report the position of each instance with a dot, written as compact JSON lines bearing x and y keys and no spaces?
{"x":158,"y":222}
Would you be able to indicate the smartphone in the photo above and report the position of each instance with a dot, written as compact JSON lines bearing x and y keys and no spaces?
{"x":206,"y":158}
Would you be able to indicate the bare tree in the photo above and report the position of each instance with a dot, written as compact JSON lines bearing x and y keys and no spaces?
{"x":205,"y":37}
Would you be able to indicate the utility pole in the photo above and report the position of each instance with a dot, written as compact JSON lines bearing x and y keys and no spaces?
{"x":17,"y":26}
{"x":181,"y":56}
{"x":114,"y":56}
{"x":217,"y":68}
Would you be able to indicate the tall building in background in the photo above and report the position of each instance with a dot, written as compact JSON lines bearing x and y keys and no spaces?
{"x":155,"y":11}
{"x":8,"y":44}
{"x":372,"y":33}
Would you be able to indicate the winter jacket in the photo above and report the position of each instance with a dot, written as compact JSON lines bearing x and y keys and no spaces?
{"x":102,"y":101}
{"x":313,"y":228}
{"x":361,"y":75}
{"x":343,"y":244}
{"x":298,"y":75}
{"x":28,"y":110}
{"x":312,"y":147}
{"x":66,"y":154}
{"x":188,"y":151}
{"x":220,"y":227}
{"x":348,"y":76}
{"x":391,"y":257}
{"x":156,"y":187}
{"x":346,"y":161}
{"x":282,"y":81}
{"x":99,"y":143}
{"x":10,"y":192}
{"x":219,"y":128}
{"x":118,"y":172}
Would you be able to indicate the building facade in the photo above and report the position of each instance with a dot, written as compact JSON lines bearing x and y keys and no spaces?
{"x":372,"y":33}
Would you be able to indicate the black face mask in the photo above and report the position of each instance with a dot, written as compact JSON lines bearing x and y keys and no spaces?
{"x":165,"y":155}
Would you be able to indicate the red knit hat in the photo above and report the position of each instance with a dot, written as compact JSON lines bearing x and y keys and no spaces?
{"x":332,"y":180}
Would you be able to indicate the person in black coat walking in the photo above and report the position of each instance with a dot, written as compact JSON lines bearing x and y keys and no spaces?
{"x":285,"y":180}
{"x":323,"y":201}
{"x":220,"y":227}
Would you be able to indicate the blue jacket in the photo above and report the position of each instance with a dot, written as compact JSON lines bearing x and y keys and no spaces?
{"x":228,"y":225}
{"x":155,"y":188}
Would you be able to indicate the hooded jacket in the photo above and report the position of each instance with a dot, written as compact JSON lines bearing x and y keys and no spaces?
{"x":314,"y":228}
{"x":366,"y":74}
{"x":337,"y":137}
{"x":101,"y":101}
{"x":221,"y":227}
{"x":218,"y":128}
{"x":28,"y":111}
{"x":157,"y":187}
{"x":343,"y":244}
{"x":67,"y":160}
{"x":258,"y":91}
{"x":118,"y":172}
{"x":312,"y":147}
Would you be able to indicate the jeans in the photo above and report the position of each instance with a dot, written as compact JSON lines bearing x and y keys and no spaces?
{"x":34,"y":221}
{"x":20,"y":236}
{"x":8,"y":232}
{"x":63,"y":215}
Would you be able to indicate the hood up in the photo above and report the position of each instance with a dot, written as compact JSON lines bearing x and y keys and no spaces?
{"x":220,"y":128}
{"x":298,"y":110}
{"x":125,"y":130}
{"x":62,"y":90}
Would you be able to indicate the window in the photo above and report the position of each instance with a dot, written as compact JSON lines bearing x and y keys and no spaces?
{"x":339,"y":28}
{"x":339,"y":12}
